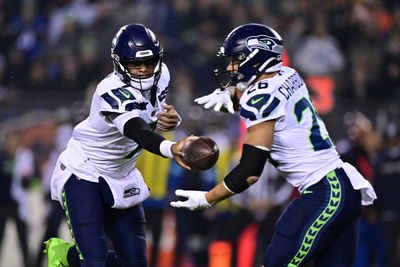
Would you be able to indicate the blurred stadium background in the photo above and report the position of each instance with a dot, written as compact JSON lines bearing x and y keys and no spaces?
{"x":53,"y":53}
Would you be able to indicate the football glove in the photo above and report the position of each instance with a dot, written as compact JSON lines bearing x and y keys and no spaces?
{"x":217,"y":99}
{"x":196,"y":200}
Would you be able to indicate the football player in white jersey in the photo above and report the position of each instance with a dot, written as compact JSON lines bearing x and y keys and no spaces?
{"x":284,"y":127}
{"x":95,"y":178}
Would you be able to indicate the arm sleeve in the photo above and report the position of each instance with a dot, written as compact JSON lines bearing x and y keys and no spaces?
{"x":251,"y":164}
{"x":139,"y":131}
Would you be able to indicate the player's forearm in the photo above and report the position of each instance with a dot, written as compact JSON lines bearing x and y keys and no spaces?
{"x":217,"y":194}
{"x":138,"y":130}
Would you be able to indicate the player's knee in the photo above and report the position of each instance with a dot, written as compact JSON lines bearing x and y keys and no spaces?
{"x":270,"y":262}
{"x":91,"y":243}
{"x":273,"y":257}
{"x":94,"y":253}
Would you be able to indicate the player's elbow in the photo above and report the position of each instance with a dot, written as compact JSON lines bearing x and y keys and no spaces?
{"x":252,"y":179}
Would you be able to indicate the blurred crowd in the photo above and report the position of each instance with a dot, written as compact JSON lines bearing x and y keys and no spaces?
{"x":53,"y":52}
{"x":63,"y":45}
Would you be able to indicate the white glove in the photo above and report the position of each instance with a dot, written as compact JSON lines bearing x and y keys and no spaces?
{"x":217,"y":99}
{"x":196,"y":200}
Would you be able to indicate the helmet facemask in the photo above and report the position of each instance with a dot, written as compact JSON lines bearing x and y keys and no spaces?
{"x":136,"y":45}
{"x":225,"y":77}
{"x":144,"y":81}
{"x":257,"y":48}
{"x":141,"y":82}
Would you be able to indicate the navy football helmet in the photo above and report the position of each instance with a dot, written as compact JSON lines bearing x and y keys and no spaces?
{"x":257,"y":48}
{"x":137,"y":44}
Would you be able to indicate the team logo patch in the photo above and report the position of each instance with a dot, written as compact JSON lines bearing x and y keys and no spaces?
{"x":123,"y":94}
{"x":258,"y":101}
{"x":263,"y":42}
{"x":131,"y":192}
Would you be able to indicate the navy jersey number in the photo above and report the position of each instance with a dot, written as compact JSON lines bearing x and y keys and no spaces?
{"x":317,"y":141}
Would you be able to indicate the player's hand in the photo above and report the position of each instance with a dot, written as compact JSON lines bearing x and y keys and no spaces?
{"x":217,"y":99}
{"x":196,"y":200}
{"x":178,"y":154}
{"x":167,"y":120}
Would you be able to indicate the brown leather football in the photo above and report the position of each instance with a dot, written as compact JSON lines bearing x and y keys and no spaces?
{"x":200,"y":154}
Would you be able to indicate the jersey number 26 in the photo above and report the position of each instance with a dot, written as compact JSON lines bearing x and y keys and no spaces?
{"x":317,"y":141}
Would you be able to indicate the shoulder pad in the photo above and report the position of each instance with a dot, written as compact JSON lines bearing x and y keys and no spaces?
{"x":121,"y":100}
{"x":260,"y":102}
{"x":119,"y":97}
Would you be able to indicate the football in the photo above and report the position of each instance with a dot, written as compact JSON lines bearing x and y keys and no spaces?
{"x":200,"y":154}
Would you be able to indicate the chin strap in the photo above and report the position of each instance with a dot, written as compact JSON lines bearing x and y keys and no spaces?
{"x":153,"y":95}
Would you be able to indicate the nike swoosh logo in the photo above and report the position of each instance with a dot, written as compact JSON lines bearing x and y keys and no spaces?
{"x":255,"y":101}
{"x":307,"y":192}
{"x":128,"y":95}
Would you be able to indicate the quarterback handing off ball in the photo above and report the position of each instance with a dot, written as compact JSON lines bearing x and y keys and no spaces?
{"x":200,"y":154}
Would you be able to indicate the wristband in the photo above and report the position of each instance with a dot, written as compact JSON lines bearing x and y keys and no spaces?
{"x":204,"y":203}
{"x":165,"y":148}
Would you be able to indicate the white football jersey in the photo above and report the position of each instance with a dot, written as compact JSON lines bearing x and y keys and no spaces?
{"x":104,"y":146}
{"x":302,"y":150}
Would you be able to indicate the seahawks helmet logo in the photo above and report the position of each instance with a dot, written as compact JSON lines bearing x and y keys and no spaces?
{"x":263,"y":42}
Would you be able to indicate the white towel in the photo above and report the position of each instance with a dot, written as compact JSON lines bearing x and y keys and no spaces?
{"x":358,"y":182}
{"x":60,"y":176}
{"x":127,"y":191}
